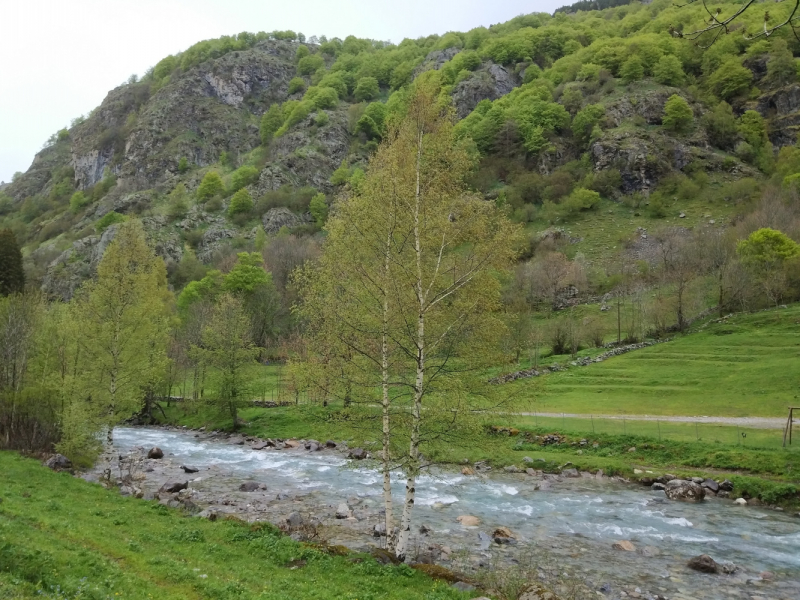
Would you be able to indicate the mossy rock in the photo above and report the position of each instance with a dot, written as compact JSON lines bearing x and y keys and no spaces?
{"x":437,"y":572}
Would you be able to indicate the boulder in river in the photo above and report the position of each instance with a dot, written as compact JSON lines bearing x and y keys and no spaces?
{"x":572,"y":472}
{"x":358,"y":453}
{"x":260,"y":445}
{"x":710,"y":484}
{"x":625,"y":545}
{"x":172,"y":487}
{"x":187,"y":469}
{"x":294,"y":520}
{"x":330,"y":444}
{"x":704,"y":563}
{"x":249,"y":486}
{"x":726,"y":486}
{"x":468,"y":471}
{"x":504,"y":532}
{"x":468,"y":520}
{"x":685,"y":491}
{"x":343,"y":511}
{"x":58,"y":462}
{"x":536,"y":592}
{"x":155,"y":452}
{"x":740,"y":502}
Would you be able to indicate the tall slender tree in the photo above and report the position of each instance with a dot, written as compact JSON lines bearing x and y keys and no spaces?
{"x":405,"y":300}
{"x":12,"y":275}
{"x":123,"y":325}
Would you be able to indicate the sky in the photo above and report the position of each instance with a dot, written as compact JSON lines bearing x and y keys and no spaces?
{"x":60,"y":58}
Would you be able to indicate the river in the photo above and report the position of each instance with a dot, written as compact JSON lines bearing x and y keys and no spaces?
{"x":574,"y":522}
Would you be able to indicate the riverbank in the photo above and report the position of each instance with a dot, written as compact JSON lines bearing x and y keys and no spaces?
{"x":61,"y":537}
{"x":760,"y":475}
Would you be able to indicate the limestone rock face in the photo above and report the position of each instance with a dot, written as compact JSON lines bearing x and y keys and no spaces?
{"x":276,"y":218}
{"x":490,"y":82}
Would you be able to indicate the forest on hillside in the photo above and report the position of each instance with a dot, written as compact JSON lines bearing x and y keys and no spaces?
{"x":648,"y":180}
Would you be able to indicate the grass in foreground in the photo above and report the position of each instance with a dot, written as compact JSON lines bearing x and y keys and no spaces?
{"x":61,"y":537}
{"x":745,"y":366}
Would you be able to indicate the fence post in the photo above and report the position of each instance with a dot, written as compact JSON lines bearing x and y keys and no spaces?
{"x":592,"y":418}
{"x":624,"y":432}
{"x":696,"y":433}
{"x":658,"y":424}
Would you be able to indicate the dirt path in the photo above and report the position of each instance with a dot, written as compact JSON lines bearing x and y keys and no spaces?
{"x":749,"y":422}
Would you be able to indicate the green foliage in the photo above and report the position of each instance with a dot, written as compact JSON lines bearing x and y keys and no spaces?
{"x":721,"y":126}
{"x":270,"y":123}
{"x":321,"y":98}
{"x":298,"y":84}
{"x":301,"y":53}
{"x":322,"y":119}
{"x":669,"y":70}
{"x":210,"y":186}
{"x":109,"y":219}
{"x":309,"y":64}
{"x":586,"y":120}
{"x":341,"y":175}
{"x":183,"y":165}
{"x":78,"y":201}
{"x":678,"y":114}
{"x":366,"y":89}
{"x":243,"y":176}
{"x":781,"y":66}
{"x":753,"y":129}
{"x":205,"y":289}
{"x":731,"y":79}
{"x":319,"y":209}
{"x":178,"y":202}
{"x":632,"y":70}
{"x":588,"y":72}
{"x":241,"y":202}
{"x":247,"y":274}
{"x":12,"y":274}
{"x":767,"y":248}
{"x":336,"y":81}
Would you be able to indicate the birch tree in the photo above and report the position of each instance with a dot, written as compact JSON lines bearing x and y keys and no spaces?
{"x":404,"y":306}
{"x":123,"y":326}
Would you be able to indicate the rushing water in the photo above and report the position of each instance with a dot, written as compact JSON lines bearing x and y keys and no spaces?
{"x":577,"y":519}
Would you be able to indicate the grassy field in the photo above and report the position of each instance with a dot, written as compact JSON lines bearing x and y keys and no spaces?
{"x":748,"y":365}
{"x":61,"y":537}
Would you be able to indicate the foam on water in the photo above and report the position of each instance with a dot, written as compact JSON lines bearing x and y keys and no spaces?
{"x":599,"y":512}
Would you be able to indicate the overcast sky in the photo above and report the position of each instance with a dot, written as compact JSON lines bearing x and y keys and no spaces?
{"x":61,"y":57}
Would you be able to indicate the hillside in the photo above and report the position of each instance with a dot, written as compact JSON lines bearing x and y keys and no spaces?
{"x":555,"y":104}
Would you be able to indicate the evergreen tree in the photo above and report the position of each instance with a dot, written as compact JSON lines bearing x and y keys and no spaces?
{"x":12,"y":275}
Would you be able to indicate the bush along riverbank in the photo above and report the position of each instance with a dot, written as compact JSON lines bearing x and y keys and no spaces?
{"x":762,"y":476}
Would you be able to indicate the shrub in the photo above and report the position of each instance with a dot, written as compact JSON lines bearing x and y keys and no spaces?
{"x":721,"y":126}
{"x":183,"y":165}
{"x":581,"y":199}
{"x":301,"y":53}
{"x":585,"y":121}
{"x":335,"y":81}
{"x":669,"y":70}
{"x":309,"y":64}
{"x":589,"y":72}
{"x":298,"y":84}
{"x":108,"y":220}
{"x":678,"y":114}
{"x":632,"y":70}
{"x":341,"y":175}
{"x":241,"y":202}
{"x":322,"y":119}
{"x":323,"y":98}
{"x":210,"y":186}
{"x":319,"y":209}
{"x":731,"y":79}
{"x":367,"y":89}
{"x":178,"y":202}
{"x":753,"y":129}
{"x":243,"y":176}
{"x":78,"y":201}
{"x":270,"y":123}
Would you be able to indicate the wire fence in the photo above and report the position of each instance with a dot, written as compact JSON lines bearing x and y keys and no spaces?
{"x":730,"y":435}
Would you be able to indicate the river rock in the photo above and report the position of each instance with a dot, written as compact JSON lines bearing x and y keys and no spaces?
{"x":155,"y":453}
{"x":649,"y":551}
{"x":740,"y":502}
{"x":291,"y":444}
{"x":572,"y":472}
{"x":684,"y":491}
{"x":704,"y":563}
{"x":511,"y":469}
{"x":343,"y":511}
{"x":726,"y":486}
{"x":187,"y":469}
{"x":357,"y":454}
{"x":711,"y":485}
{"x":294,"y":520}
{"x":379,"y":530}
{"x":260,"y":446}
{"x":463,"y":586}
{"x":313,"y":447}
{"x":625,"y":545}
{"x":504,"y":532}
{"x":173,"y":487}
{"x":468,"y":520}
{"x":657,"y":487}
{"x":536,"y":592}
{"x":58,"y":462}
{"x":698,"y":480}
{"x":468,"y":471}
{"x":249,"y":486}
{"x":330,"y":444}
